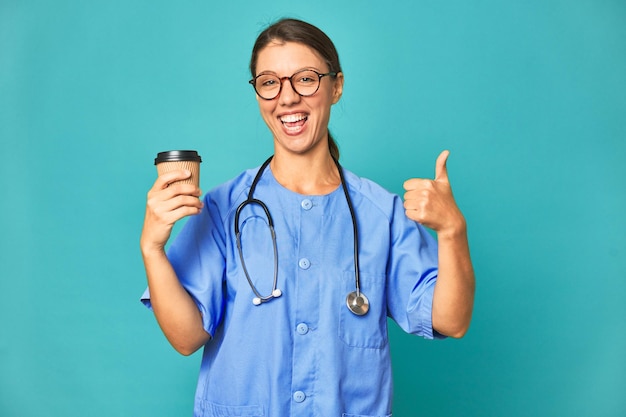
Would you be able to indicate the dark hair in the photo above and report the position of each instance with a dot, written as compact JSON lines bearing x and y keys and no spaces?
{"x":294,"y":30}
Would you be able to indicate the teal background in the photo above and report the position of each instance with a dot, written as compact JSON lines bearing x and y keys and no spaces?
{"x":529,"y":96}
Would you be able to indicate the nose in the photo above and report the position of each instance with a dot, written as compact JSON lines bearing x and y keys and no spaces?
{"x":287,"y":94}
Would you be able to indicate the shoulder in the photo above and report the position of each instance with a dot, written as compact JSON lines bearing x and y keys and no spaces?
{"x":225,"y":197}
{"x":378,"y":204}
{"x":370,"y":193}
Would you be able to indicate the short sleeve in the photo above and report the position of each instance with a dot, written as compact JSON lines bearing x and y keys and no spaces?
{"x":412,"y":273}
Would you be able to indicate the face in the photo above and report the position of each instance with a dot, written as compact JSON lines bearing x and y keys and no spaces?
{"x":298,"y":124}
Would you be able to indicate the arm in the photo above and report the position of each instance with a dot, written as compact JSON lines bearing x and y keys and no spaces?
{"x":453,"y":299}
{"x":430,"y":202}
{"x":174,"y":309}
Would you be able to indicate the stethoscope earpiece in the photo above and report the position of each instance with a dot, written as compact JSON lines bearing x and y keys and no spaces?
{"x":257,"y":301}
{"x":356,"y":301}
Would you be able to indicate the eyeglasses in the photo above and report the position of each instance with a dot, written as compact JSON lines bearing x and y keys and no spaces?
{"x":305,"y":83}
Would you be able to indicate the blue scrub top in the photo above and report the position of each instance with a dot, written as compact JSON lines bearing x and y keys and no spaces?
{"x":304,"y":353}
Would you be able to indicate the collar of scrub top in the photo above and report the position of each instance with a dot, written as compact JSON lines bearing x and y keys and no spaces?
{"x":356,"y":301}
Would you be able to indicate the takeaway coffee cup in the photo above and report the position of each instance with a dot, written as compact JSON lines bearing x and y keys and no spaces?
{"x":175,"y":160}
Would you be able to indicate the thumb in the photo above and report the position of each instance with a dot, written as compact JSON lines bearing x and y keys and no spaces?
{"x":441,"y":170}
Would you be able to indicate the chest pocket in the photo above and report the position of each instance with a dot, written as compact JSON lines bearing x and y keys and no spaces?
{"x":369,"y":330}
{"x":210,"y":409}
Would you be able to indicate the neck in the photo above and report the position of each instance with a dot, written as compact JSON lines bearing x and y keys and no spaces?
{"x":305,"y":174}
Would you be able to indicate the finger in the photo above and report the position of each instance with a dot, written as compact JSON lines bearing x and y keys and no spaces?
{"x":181,"y":201}
{"x":169,"y":177}
{"x":184,"y":211}
{"x":413,"y":205}
{"x":409,"y":184}
{"x":169,"y":218}
{"x":415,"y":183}
{"x":170,"y":211}
{"x":159,"y":195}
{"x":441,"y":170}
{"x":181,"y":188}
{"x":416,"y":215}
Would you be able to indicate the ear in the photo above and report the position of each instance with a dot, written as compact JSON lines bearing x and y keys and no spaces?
{"x":337,"y":87}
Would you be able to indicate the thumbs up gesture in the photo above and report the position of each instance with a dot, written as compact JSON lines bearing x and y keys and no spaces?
{"x":430,"y":202}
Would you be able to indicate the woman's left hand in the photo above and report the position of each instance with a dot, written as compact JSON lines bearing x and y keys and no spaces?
{"x":430,"y":202}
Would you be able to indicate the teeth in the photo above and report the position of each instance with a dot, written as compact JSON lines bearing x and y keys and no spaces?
{"x":292,"y":118}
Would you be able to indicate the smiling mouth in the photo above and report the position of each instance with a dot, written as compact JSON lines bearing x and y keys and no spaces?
{"x":294,"y":122}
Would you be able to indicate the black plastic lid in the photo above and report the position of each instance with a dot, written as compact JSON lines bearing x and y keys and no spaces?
{"x":172,"y":156}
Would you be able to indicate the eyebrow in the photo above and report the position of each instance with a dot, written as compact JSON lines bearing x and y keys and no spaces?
{"x":295,"y":72}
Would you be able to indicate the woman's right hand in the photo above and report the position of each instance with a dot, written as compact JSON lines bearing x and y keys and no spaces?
{"x":167,"y":203}
{"x":175,"y":310}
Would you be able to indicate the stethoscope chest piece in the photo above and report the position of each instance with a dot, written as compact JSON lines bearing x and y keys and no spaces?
{"x":357,"y":303}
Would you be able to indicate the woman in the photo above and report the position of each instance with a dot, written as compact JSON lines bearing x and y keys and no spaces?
{"x":295,"y":332}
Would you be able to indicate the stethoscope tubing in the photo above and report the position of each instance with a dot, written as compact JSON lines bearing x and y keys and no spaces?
{"x":270,"y":222}
{"x":355,"y":229}
{"x":355,"y":301}
{"x":260,"y":298}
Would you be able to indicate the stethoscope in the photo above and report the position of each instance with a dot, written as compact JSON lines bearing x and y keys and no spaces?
{"x":356,"y":301}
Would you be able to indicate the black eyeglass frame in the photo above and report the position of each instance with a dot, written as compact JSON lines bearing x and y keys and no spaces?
{"x":282,"y":80}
